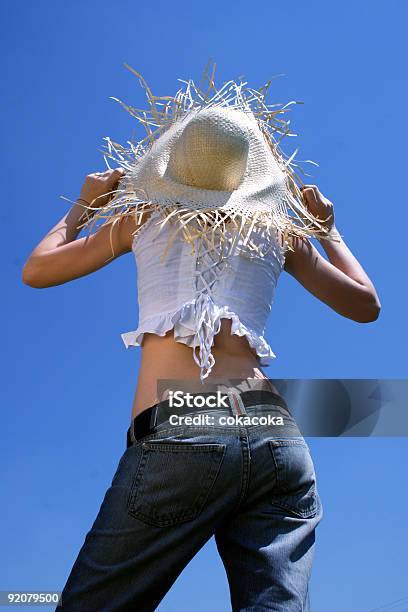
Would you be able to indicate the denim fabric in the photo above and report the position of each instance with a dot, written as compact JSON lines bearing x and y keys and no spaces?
{"x":253,"y":487}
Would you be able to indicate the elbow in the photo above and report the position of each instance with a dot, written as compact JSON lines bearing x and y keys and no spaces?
{"x":369,"y":315}
{"x":30,"y":277}
{"x":369,"y":310}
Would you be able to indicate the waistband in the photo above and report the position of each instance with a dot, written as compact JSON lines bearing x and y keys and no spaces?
{"x":233,"y":402}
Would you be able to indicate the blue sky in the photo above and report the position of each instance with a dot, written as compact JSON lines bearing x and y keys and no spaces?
{"x":69,"y":381}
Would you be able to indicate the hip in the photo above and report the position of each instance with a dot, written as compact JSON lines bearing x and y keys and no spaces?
{"x":255,"y":450}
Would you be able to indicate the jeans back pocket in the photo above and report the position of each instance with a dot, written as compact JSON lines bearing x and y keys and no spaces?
{"x":296,"y":489}
{"x":173,"y":481}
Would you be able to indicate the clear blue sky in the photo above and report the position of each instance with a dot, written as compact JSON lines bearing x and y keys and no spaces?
{"x":68,"y":380}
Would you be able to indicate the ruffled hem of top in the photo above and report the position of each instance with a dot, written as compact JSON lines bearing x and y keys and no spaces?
{"x":186,"y":330}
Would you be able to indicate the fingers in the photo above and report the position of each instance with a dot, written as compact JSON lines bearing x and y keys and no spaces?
{"x":318,"y":204}
{"x":117,"y":172}
{"x":114,"y":174}
{"x":312,"y":188}
{"x":311,"y":193}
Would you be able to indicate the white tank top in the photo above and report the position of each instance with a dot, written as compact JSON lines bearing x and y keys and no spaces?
{"x":191,"y":293}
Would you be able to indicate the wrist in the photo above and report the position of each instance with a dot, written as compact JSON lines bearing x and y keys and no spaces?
{"x":332,"y":233}
{"x":84,"y":210}
{"x":84,"y":201}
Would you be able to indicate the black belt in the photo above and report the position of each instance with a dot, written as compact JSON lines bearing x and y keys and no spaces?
{"x":147,"y":421}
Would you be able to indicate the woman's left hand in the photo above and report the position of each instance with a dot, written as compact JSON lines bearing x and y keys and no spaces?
{"x":318,"y":205}
{"x":98,"y":185}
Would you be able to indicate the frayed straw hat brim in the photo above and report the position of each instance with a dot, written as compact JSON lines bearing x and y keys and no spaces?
{"x":281,"y":210}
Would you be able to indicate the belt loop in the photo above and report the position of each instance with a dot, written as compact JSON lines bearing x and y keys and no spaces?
{"x":153,"y":416}
{"x":131,"y":432}
{"x":129,"y":437}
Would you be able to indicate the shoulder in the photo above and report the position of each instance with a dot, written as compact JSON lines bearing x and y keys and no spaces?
{"x":128,"y":224}
{"x":301,"y":254}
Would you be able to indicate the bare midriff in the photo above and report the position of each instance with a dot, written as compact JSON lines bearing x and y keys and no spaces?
{"x":162,"y":358}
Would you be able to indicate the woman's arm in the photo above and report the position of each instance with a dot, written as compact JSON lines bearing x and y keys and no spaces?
{"x":340,"y":282}
{"x":60,"y":257}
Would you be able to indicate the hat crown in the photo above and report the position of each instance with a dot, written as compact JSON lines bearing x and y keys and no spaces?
{"x":211,"y":151}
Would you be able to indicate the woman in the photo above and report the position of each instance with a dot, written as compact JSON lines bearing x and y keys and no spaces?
{"x":251,"y":485}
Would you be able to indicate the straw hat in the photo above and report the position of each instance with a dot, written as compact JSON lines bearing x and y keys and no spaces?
{"x":212,"y":162}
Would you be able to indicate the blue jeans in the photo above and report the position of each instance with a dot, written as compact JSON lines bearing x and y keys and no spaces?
{"x":252,"y":487}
